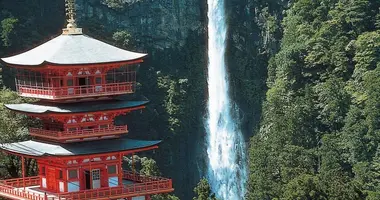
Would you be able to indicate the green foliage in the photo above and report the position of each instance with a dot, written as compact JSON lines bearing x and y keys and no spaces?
{"x":114,"y":4}
{"x":164,"y":197}
{"x":203,"y":191}
{"x":175,"y":94}
{"x":123,"y":38}
{"x":7,"y":30}
{"x":13,"y":128}
{"x":143,"y":165}
{"x":304,"y":187}
{"x":118,"y":4}
{"x":149,"y":167}
{"x":319,"y":137}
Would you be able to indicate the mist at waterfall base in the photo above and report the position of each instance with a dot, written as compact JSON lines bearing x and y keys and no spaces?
{"x":227,"y":171}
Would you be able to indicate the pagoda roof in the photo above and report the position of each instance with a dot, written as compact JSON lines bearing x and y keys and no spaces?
{"x":80,"y":107}
{"x":72,"y":50}
{"x":39,"y":148}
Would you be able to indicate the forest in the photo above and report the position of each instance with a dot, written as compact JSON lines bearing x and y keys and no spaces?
{"x":305,"y":75}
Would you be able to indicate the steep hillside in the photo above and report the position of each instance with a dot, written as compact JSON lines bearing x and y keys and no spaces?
{"x":319,"y":138}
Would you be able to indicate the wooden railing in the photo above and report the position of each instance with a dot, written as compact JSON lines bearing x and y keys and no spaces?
{"x":67,"y":135}
{"x":140,"y":178}
{"x":12,"y":188}
{"x":147,"y":186}
{"x":75,"y":91}
{"x":20,"y":182}
{"x":16,"y":193}
{"x":133,"y":190}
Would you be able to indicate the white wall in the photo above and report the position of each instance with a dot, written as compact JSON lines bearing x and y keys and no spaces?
{"x":44,"y":182}
{"x":61,"y":186}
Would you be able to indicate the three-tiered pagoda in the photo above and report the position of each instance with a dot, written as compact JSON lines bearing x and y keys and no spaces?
{"x":81,"y":84}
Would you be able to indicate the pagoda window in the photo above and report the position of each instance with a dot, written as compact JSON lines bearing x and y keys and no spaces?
{"x":72,"y":129}
{"x":53,"y":125}
{"x":58,"y":85}
{"x":60,"y":174}
{"x":122,"y":74}
{"x":104,"y":126}
{"x":73,"y":181}
{"x":30,"y":78}
{"x":83,"y":81}
{"x":70,"y":82}
{"x":112,"y":169}
{"x":43,"y":171}
{"x":113,"y":179}
{"x":72,"y":174}
{"x":98,"y":80}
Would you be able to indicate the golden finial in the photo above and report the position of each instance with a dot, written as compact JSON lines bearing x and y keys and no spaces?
{"x":71,"y":28}
{"x":70,"y":12}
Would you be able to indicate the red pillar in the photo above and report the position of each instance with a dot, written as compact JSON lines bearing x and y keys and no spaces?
{"x":120,"y":172}
{"x":90,"y":172}
{"x":104,"y":175}
{"x":23,"y":171}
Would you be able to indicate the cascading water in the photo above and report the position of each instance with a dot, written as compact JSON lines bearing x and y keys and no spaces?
{"x":227,"y":171}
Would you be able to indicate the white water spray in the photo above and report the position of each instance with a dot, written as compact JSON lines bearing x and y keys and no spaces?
{"x":227,"y":171}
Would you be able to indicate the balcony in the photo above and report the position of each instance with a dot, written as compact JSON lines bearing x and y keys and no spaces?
{"x":14,"y":188}
{"x":28,"y":189}
{"x":72,"y":92}
{"x":65,"y":136}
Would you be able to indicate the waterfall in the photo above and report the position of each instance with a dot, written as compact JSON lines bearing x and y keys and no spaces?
{"x":227,"y":171}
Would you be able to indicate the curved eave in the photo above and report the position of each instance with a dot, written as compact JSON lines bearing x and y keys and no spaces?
{"x":28,"y":108}
{"x":36,"y":149}
{"x":50,"y":65}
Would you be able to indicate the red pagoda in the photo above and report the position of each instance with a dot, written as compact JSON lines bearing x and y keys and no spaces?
{"x":82,"y":84}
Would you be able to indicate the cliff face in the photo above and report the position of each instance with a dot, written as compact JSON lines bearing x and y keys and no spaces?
{"x":159,"y":24}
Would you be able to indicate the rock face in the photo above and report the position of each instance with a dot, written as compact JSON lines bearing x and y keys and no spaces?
{"x":158,"y":23}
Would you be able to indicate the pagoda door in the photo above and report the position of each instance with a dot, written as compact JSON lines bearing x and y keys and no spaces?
{"x":95,"y":178}
{"x":84,"y":83}
{"x":51,"y":179}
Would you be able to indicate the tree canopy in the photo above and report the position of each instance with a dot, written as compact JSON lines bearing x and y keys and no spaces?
{"x":319,"y":137}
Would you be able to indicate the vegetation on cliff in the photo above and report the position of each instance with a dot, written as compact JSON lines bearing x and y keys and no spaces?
{"x":319,"y":137}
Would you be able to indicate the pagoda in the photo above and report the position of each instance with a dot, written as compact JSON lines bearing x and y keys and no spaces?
{"x":81,"y":84}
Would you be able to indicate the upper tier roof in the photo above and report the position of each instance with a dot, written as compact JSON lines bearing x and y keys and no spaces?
{"x":73,"y":50}
{"x":37,"y":148}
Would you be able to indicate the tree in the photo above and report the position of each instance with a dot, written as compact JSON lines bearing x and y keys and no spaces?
{"x":148,"y":166}
{"x":14,"y":128}
{"x":319,"y":132}
{"x":123,"y":39}
{"x":203,"y":191}
{"x":7,"y":27}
